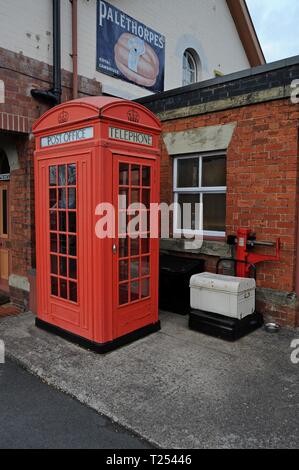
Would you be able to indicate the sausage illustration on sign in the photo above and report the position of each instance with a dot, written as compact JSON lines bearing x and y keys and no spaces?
{"x":136,"y":60}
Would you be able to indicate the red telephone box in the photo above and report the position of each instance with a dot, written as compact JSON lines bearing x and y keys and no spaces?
{"x":100,"y":292}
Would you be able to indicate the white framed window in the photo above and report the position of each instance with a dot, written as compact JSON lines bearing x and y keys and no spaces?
{"x":190,"y":67}
{"x":201,"y":179}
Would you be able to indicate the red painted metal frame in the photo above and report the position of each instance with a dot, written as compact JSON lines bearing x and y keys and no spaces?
{"x":96,"y":315}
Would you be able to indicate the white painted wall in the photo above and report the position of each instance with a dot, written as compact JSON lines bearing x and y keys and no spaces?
{"x":204,"y":25}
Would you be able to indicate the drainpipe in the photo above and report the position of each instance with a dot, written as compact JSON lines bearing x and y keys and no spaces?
{"x":75,"y":47}
{"x":53,"y":96}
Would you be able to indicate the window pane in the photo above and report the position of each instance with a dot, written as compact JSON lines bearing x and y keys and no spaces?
{"x":62,"y":198}
{"x":134,"y":246}
{"x":123,"y":271}
{"x":135,"y":196}
{"x":73,"y":291}
{"x":62,"y":244}
{"x":146,"y":176}
{"x":53,"y":201}
{"x":63,"y":266}
{"x":72,"y":268}
{"x":135,"y":175}
{"x":124,"y":174}
{"x":190,"y":212}
{"x":71,"y":170}
{"x":53,"y":175}
{"x":54,"y":244}
{"x":214,"y":171}
{"x":72,"y":222}
{"x":145,"y":285}
{"x":135,"y":268}
{"x":145,"y":269}
{"x":145,"y":245}
{"x":123,"y":247}
{"x":63,"y":288}
{"x":61,"y":175}
{"x":72,"y":245}
{"x":134,"y":291}
{"x":72,"y":198}
{"x":53,"y":220}
{"x":214,"y":212}
{"x":146,"y":194}
{"x":62,"y":221}
{"x":54,"y":286}
{"x":187,"y":176}
{"x":54,"y":265}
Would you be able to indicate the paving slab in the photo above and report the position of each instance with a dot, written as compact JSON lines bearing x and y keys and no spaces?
{"x":176,"y":388}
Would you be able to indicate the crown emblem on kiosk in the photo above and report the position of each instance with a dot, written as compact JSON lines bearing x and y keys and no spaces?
{"x":63,"y":117}
{"x":133,"y":116}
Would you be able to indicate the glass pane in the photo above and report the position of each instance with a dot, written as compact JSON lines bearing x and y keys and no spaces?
{"x":62,"y":266}
{"x":122,"y":222}
{"x":62,"y":244}
{"x":145,"y":221}
{"x":145,"y":245}
{"x":53,"y":243}
{"x":123,"y":271}
{"x":190,"y":211}
{"x":135,"y":175}
{"x":72,"y":222}
{"x":135,"y":196}
{"x":72,"y":245}
{"x":214,"y":212}
{"x":72,"y":268}
{"x":72,"y":198}
{"x":135,"y":268}
{"x":71,"y":171}
{"x":54,"y":286}
{"x":62,"y":221}
{"x":146,"y":176}
{"x":54,"y":264}
{"x":124,"y":174}
{"x":73,"y":291}
{"x":134,"y":291}
{"x":145,"y":266}
{"x":134,"y":246}
{"x":61,"y":175}
{"x":146,"y":193}
{"x":4,"y":212}
{"x":63,"y":288}
{"x":53,"y":198}
{"x":123,"y":247}
{"x":53,"y":220}
{"x":62,"y":198}
{"x":214,"y":171}
{"x":123,"y":294}
{"x":53,"y":176}
{"x":123,"y":199}
{"x":187,"y":173}
{"x":145,"y":288}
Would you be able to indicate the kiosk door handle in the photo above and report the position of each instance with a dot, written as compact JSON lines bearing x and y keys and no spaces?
{"x":114,"y":248}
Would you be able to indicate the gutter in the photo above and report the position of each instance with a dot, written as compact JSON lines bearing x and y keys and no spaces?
{"x":53,"y":95}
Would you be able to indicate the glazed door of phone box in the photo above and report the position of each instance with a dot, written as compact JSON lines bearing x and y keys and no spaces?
{"x":132,"y":249}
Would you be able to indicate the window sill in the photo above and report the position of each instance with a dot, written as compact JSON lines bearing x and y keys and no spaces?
{"x":210,"y":247}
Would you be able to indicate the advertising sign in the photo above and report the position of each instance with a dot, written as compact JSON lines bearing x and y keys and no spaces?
{"x":129,"y":50}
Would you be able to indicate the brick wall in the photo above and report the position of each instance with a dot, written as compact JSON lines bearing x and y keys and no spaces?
{"x":20,"y":74}
{"x":262,"y":166}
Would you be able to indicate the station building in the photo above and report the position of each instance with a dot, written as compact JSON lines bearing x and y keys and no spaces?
{"x":200,"y":67}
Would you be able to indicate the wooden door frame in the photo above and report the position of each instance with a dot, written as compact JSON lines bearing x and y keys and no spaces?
{"x":4,"y":238}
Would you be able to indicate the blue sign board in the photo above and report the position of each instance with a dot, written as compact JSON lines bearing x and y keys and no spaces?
{"x":129,"y":50}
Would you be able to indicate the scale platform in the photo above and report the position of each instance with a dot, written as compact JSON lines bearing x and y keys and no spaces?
{"x":229,"y":329}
